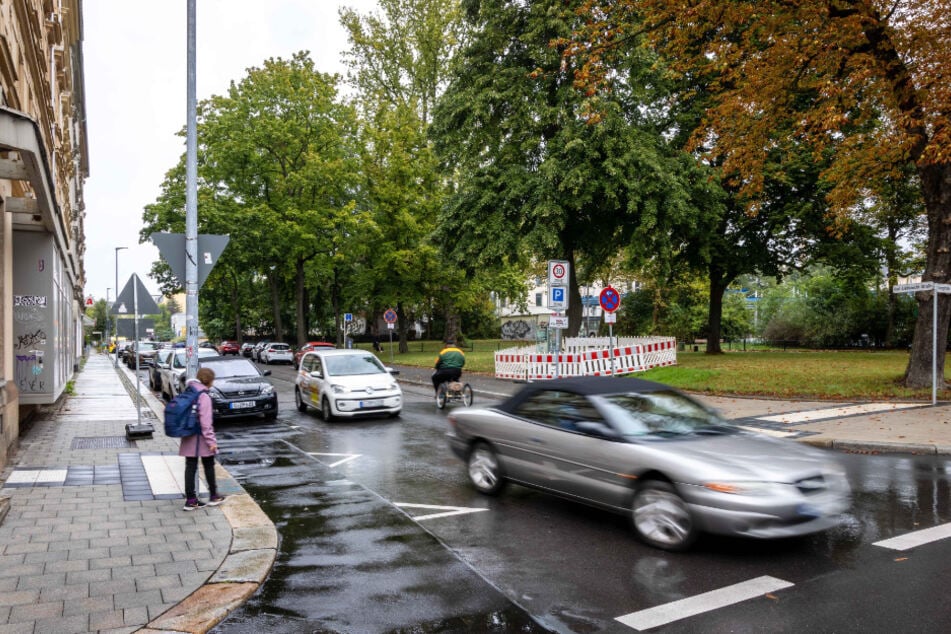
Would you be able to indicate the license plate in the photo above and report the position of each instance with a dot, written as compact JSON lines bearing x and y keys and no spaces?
{"x":375,"y":403}
{"x":243,"y":404}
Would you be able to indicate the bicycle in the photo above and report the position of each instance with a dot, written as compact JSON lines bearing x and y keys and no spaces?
{"x":453,"y":391}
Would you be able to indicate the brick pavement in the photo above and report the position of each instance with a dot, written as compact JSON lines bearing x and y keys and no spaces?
{"x":88,"y":545}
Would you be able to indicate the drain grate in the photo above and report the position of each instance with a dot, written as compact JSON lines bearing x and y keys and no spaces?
{"x":103,"y":442}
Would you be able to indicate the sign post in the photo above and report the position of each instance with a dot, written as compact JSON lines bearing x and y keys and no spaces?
{"x":390,"y":317}
{"x":935,"y":289}
{"x":610,"y":301}
{"x":558,"y":277}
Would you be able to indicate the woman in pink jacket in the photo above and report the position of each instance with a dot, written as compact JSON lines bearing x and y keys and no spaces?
{"x":203,"y":445}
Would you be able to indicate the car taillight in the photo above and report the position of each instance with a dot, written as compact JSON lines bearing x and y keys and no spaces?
{"x":452,"y":421}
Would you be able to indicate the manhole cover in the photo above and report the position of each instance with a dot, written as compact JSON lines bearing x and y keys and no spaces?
{"x":102,"y":442}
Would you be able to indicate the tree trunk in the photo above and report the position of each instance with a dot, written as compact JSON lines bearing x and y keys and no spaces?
{"x":718,"y":284}
{"x":300,"y":296}
{"x":236,"y":307}
{"x":276,"y":307}
{"x":936,"y":192}
{"x":403,"y":327}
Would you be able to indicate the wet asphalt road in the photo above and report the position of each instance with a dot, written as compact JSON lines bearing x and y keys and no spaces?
{"x":353,"y":560}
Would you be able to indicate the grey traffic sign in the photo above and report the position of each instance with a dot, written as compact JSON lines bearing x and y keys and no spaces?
{"x":172,"y":247}
{"x":135,"y":300}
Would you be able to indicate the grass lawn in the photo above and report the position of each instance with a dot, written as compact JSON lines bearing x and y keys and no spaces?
{"x":851,"y":375}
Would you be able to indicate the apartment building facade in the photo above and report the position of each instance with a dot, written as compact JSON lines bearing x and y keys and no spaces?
{"x":43,"y":166}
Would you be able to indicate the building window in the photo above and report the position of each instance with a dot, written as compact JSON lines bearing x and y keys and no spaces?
{"x":538,"y":299}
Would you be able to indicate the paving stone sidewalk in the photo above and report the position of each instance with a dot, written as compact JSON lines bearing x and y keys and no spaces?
{"x":93,"y":541}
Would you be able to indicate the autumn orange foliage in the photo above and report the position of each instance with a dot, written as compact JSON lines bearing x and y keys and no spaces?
{"x":863,"y":81}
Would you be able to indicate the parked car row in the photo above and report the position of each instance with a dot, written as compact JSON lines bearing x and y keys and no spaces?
{"x":240,"y":389}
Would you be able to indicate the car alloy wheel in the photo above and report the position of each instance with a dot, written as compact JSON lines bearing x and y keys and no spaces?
{"x":467,"y":395}
{"x":325,"y":410}
{"x":485,"y":472}
{"x":298,"y":398}
{"x":661,"y":517}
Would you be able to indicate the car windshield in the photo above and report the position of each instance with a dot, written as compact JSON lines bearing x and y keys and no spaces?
{"x":231,"y":369}
{"x":350,"y":364}
{"x":660,"y":414}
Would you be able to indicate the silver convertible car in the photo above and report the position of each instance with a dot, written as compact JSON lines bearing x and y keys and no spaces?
{"x":645,"y":449}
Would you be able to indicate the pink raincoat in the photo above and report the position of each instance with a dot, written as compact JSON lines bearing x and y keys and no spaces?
{"x":207,"y":436}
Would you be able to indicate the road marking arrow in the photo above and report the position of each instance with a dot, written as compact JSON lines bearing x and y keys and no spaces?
{"x":449,"y":510}
{"x":349,"y":457}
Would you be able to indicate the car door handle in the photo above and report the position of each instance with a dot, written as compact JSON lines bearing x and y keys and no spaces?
{"x":538,"y":440}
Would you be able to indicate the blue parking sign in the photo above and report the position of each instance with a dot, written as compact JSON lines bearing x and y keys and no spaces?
{"x":558,"y":297}
{"x":348,"y":316}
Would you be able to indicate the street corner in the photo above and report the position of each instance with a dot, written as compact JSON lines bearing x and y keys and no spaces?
{"x":203,"y":609}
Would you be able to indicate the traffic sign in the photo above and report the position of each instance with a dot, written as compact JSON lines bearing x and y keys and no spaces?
{"x":913,"y":288}
{"x":348,"y":316}
{"x":559,"y":322}
{"x":389,"y":316}
{"x":558,"y":298}
{"x":89,"y":301}
{"x":558,"y":272}
{"x":610,"y":300}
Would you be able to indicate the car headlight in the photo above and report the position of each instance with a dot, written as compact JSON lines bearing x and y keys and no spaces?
{"x":339,"y":389}
{"x":267,"y":389}
{"x":392,"y":386}
{"x":744,"y":487}
{"x":215,"y":394}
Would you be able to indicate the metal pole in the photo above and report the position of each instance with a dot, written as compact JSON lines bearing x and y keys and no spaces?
{"x":611,"y":345}
{"x":115,"y":361}
{"x":191,"y":208}
{"x":135,"y":351}
{"x":934,"y":347}
{"x":391,"y":344}
{"x":108,"y":325}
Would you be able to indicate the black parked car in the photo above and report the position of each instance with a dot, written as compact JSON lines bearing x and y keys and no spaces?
{"x":240,"y":389}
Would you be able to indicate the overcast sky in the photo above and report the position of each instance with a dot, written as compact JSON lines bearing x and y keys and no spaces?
{"x":135,"y":80}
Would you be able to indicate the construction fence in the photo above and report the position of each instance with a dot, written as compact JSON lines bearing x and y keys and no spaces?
{"x":587,"y":356}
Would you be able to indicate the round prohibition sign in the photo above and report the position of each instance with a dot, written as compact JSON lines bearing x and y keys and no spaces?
{"x":610,"y":300}
{"x":558,"y":271}
{"x":390,"y":316}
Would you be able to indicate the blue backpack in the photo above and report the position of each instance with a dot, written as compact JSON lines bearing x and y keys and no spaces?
{"x":181,"y":414}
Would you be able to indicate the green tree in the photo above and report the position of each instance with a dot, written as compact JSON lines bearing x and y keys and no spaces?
{"x":399,"y":63}
{"x":536,"y":181}
{"x":879,"y":98}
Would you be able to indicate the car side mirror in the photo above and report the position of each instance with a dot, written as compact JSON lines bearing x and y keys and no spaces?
{"x":266,"y":373}
{"x":393,"y":371}
{"x":593,"y":428}
{"x":317,"y":374}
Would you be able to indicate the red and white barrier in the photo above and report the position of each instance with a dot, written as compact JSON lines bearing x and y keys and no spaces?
{"x":580,"y":358}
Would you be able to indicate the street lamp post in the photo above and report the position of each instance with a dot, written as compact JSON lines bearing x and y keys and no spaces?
{"x":116,"y":318}
{"x":108,"y":329}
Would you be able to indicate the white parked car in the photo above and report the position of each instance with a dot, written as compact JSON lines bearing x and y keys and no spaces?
{"x":173,"y":380}
{"x":346,"y":383}
{"x":277,"y":353}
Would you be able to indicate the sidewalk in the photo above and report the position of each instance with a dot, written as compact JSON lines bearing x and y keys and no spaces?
{"x":882,"y":427}
{"x":95,"y":538}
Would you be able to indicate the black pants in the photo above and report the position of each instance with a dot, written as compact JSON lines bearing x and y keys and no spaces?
{"x":445,"y":374}
{"x":191,"y":472}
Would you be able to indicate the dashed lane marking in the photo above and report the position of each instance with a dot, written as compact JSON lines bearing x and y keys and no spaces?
{"x":706,"y":602}
{"x":348,"y":458}
{"x":835,"y":412}
{"x":448,"y":511}
{"x":917,"y":538}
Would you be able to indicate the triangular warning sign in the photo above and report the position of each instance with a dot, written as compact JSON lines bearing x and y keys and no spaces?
{"x":135,"y":297}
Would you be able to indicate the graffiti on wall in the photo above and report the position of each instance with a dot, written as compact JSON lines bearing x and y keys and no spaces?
{"x":29,"y":311}
{"x":29,"y":371}
{"x":516,"y":329}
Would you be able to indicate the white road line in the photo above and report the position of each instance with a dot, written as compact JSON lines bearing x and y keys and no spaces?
{"x":349,"y":457}
{"x":917,"y":538}
{"x":692,"y":606}
{"x":835,"y":412}
{"x":769,"y":432}
{"x":449,"y":510}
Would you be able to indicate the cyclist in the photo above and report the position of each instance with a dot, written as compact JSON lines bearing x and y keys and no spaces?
{"x":449,"y":364}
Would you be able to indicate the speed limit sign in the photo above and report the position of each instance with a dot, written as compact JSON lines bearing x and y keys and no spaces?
{"x":558,"y":272}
